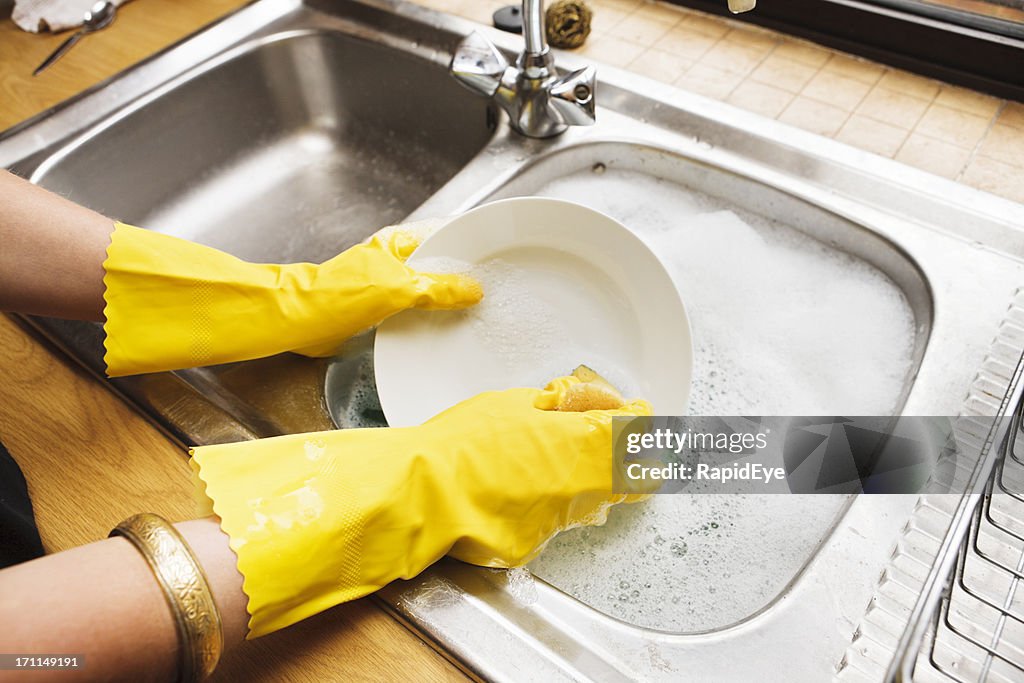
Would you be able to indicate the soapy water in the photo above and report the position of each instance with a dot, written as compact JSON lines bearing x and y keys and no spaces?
{"x":782,"y":325}
{"x":524,"y":332}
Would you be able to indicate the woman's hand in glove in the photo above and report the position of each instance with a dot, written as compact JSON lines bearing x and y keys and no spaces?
{"x":320,"y":519}
{"x":171,"y":303}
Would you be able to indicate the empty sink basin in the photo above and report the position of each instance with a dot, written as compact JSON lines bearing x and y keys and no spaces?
{"x":285,"y":149}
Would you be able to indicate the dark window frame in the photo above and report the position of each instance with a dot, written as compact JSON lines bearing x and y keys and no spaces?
{"x":930,"y":41}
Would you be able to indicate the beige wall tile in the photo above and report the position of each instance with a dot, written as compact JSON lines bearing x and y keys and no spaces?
{"x":803,"y":52}
{"x":605,"y":19}
{"x":995,"y":177}
{"x":626,"y":6}
{"x":451,"y":6}
{"x":874,"y":136}
{"x":752,"y":37}
{"x":817,"y":117}
{"x":892,"y":107}
{"x":642,"y":28}
{"x":968,"y":100}
{"x":932,"y":155}
{"x":686,"y":11}
{"x":1012,"y":115}
{"x":440,"y":5}
{"x":659,"y":11}
{"x":952,"y":125}
{"x":909,"y":84}
{"x":660,"y":65}
{"x":685,"y":42}
{"x":611,"y":50}
{"x":1006,"y":144}
{"x":705,"y":23}
{"x":709,"y":81}
{"x":482,"y":12}
{"x":855,"y":68}
{"x":840,"y":91}
{"x":732,"y":57}
{"x":783,"y":73}
{"x":760,"y":98}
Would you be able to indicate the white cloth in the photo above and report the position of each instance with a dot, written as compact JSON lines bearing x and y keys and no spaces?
{"x":37,"y":16}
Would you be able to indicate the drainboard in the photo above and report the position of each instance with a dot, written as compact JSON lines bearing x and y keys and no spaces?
{"x":818,"y":279}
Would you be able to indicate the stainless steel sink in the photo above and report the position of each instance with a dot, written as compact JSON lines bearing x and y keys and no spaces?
{"x":304,"y":141}
{"x":291,"y":130}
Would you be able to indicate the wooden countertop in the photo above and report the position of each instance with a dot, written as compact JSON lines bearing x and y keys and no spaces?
{"x":89,"y":459}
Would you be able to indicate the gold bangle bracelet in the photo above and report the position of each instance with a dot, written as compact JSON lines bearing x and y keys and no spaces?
{"x":196,"y":618}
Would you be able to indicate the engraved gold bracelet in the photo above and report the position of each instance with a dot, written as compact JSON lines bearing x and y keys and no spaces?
{"x":196,"y":618}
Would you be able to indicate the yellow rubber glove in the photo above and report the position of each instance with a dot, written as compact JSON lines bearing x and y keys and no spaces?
{"x":320,"y":519}
{"x":171,"y":303}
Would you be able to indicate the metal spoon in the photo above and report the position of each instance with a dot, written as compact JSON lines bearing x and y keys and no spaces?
{"x":99,"y":16}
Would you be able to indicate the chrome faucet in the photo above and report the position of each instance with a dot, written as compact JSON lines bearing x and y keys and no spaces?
{"x":539,"y":103}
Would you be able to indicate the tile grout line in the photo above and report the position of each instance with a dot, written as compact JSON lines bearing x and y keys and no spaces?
{"x":801,"y":93}
{"x":913,"y":129}
{"x":977,"y":147}
{"x":763,"y":59}
{"x":849,"y":115}
{"x":699,"y":61}
{"x":850,"y":112}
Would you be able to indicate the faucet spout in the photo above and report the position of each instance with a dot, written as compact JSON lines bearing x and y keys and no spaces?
{"x":539,"y":103}
{"x":533,"y":27}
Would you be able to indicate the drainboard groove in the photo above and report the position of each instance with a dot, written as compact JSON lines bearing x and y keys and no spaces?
{"x":976,"y":632}
{"x":885,"y":631}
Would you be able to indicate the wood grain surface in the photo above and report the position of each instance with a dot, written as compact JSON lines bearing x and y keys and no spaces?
{"x":90,"y":459}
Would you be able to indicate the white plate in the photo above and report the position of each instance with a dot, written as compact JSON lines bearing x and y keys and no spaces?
{"x":565,"y":285}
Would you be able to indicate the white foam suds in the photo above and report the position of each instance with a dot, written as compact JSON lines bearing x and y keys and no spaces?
{"x":510,"y":320}
{"x":521,"y":585}
{"x":525,"y":332}
{"x":782,"y":325}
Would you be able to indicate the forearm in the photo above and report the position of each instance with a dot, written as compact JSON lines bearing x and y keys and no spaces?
{"x":102,"y":600}
{"x":51,"y":261}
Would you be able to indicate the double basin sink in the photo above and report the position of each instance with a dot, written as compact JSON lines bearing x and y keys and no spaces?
{"x":819,"y":280}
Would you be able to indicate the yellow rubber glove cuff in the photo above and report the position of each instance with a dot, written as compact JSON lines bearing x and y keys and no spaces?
{"x":171,"y":303}
{"x":320,"y":519}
